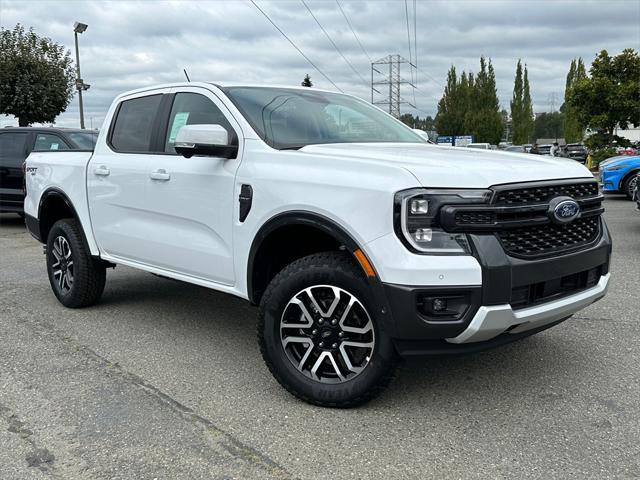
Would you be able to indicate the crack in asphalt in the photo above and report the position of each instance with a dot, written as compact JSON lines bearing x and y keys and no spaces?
{"x":236,"y":448}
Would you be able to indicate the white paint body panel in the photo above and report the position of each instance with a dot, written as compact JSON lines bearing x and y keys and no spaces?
{"x":132,"y":219}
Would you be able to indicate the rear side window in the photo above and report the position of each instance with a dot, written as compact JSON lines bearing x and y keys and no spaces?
{"x":49,"y":141}
{"x":133,"y":125}
{"x":12,"y":148}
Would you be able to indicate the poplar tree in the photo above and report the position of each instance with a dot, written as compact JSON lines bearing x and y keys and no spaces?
{"x":517,"y":108}
{"x":573,"y":128}
{"x":521,"y":107}
{"x":482,"y":119}
{"x":527,"y":104}
{"x":451,"y":107}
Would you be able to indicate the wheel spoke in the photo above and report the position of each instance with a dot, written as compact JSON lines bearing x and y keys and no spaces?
{"x":305,"y":314}
{"x":347,"y":328}
{"x":345,"y":356}
{"x":332,"y":307}
{"x":61,"y":280}
{"x":305,"y":356}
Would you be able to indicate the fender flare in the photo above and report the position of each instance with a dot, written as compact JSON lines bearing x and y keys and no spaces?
{"x":330,"y":227}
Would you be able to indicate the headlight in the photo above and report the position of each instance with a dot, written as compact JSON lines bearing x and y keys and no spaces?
{"x":614,"y":168}
{"x":417,"y":219}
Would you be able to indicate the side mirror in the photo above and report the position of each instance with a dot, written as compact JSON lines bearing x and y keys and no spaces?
{"x":209,"y":140}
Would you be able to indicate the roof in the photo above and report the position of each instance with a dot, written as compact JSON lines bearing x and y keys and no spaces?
{"x":51,"y":129}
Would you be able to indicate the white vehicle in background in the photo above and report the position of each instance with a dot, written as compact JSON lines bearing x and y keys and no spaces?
{"x":480,"y":146}
{"x":357,"y":239}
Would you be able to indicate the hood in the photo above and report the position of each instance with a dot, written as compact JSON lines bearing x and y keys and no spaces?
{"x":456,"y":167}
{"x":615,"y":161}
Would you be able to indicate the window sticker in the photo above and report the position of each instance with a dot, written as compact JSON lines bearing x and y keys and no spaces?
{"x":179,"y":121}
{"x":54,"y":146}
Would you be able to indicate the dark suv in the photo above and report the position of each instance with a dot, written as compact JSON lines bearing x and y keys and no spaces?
{"x":16,"y":143}
{"x":576,"y":151}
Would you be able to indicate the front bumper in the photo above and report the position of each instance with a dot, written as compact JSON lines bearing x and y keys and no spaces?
{"x":515,"y":298}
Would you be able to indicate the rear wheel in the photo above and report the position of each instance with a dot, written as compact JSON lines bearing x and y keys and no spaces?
{"x":319,"y":334}
{"x":76,"y":278}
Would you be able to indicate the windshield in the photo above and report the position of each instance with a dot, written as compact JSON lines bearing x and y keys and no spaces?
{"x":84,"y":140}
{"x":292,"y":118}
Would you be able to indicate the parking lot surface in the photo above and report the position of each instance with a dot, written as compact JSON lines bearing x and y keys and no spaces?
{"x":164,"y":380}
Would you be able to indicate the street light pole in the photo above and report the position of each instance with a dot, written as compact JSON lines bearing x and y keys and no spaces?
{"x":80,"y":85}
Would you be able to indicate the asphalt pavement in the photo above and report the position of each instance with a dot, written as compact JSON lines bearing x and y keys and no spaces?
{"x":164,"y":380}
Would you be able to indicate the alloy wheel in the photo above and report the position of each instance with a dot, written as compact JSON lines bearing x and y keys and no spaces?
{"x":327,"y":334}
{"x":62,"y":266}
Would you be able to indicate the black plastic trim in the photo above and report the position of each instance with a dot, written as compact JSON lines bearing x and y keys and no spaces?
{"x":316,"y":220}
{"x":33,"y":226}
{"x":246,"y":200}
{"x":412,"y":324}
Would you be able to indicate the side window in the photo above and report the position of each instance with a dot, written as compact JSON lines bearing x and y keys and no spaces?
{"x":133,"y":125}
{"x":49,"y":141}
{"x":12,"y":148}
{"x":192,"y":109}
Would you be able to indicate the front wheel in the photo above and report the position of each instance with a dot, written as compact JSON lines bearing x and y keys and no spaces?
{"x":319,"y":333}
{"x":76,"y":278}
{"x":630,"y":185}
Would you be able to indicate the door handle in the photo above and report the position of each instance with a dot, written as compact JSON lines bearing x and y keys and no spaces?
{"x":102,"y":170}
{"x":160,"y":174}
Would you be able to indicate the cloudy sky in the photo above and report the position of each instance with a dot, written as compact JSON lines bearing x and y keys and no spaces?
{"x":130,"y":44}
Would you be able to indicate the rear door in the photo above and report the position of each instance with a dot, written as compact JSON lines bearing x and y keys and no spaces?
{"x":192,"y":199}
{"x":118,"y":175}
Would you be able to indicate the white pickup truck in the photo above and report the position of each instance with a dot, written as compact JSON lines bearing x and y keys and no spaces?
{"x":360,"y":242}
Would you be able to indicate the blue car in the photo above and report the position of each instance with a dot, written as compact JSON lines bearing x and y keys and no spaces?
{"x":619,"y":174}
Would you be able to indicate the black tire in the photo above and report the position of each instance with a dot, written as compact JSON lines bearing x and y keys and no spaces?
{"x":629,"y":185}
{"x":333,"y":269}
{"x":88,"y":274}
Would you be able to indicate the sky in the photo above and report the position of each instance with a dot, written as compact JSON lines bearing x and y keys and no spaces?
{"x":133,"y":44}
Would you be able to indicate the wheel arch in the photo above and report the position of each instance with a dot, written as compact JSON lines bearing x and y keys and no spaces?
{"x":289,"y":228}
{"x":54,"y":205}
{"x":633,"y":171}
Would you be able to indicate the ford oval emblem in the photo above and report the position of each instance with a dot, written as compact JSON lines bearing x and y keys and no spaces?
{"x":564,"y":210}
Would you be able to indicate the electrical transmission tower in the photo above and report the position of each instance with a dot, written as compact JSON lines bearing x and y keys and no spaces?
{"x":389,"y":94}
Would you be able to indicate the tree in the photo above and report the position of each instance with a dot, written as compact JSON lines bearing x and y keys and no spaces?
{"x":610,"y":97}
{"x":573,"y":128}
{"x":527,"y":104}
{"x":307,"y":81}
{"x":451,"y":107}
{"x":36,"y":76}
{"x":521,"y":107}
{"x":548,"y":125}
{"x":427,"y":124}
{"x":517,"y":107}
{"x":482,"y":119}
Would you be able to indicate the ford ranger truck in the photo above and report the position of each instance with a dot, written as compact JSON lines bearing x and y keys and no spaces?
{"x":359,"y":241}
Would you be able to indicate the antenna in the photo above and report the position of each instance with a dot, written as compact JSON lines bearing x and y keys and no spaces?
{"x":186,"y":75}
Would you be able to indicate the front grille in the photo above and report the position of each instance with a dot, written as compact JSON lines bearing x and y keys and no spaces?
{"x":550,"y":238}
{"x":544,"y":193}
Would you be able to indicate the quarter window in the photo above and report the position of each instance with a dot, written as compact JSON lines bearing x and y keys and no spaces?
{"x":192,"y":109}
{"x":134,"y":124}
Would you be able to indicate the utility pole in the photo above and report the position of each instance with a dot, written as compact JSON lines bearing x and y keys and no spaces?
{"x":393,"y":80}
{"x":80,"y":85}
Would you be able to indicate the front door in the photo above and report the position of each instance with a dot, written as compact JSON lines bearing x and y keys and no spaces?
{"x":192,"y":199}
